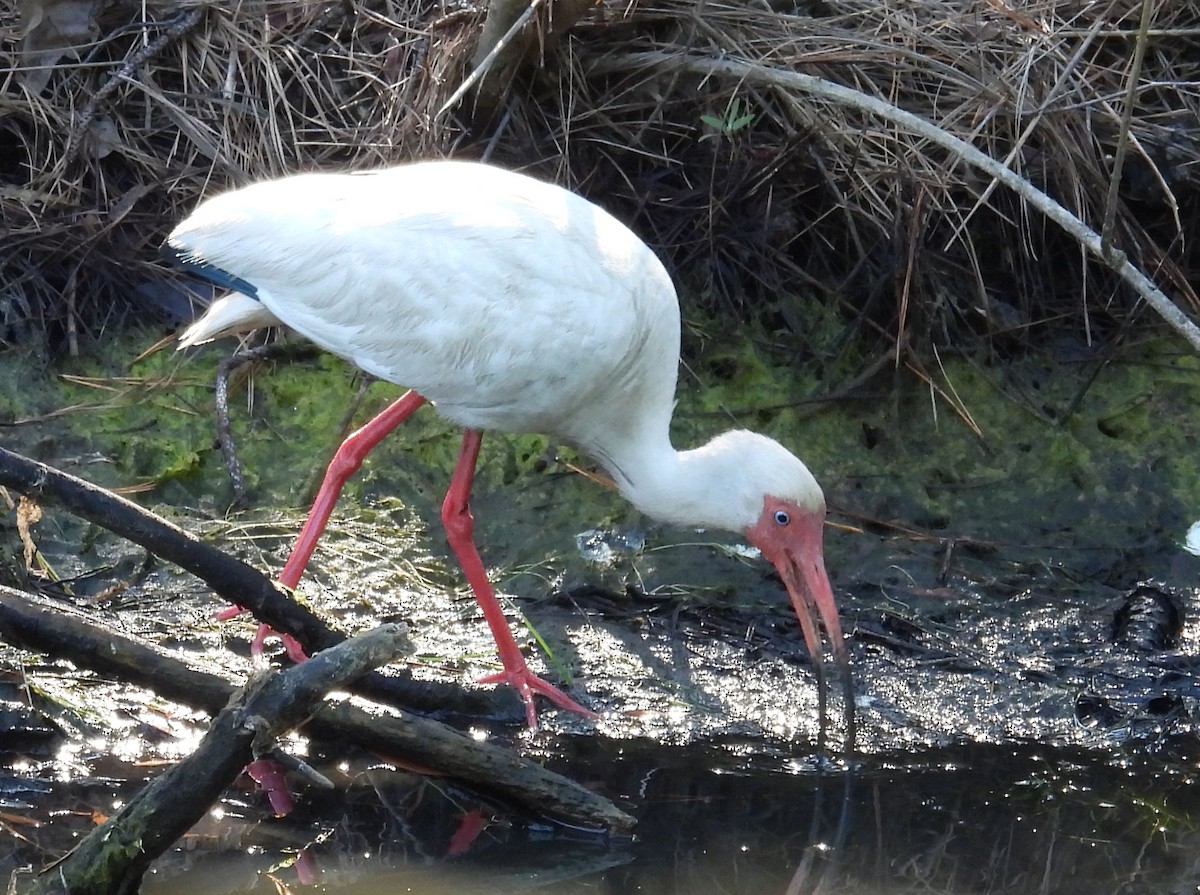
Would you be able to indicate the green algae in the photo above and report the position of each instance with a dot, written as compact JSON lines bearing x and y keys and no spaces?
{"x":1036,"y":452}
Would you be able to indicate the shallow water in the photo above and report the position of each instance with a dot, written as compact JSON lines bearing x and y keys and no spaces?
{"x":966,"y":820}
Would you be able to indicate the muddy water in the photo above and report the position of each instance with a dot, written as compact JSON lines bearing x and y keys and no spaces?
{"x":1012,"y":819}
{"x":1013,"y":736}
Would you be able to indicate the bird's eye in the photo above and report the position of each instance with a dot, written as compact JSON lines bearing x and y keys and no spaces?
{"x":782,"y":518}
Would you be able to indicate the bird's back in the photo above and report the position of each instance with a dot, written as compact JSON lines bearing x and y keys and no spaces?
{"x":510,"y":303}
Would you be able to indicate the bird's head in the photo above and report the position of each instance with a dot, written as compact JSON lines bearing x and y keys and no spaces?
{"x":781,"y":511}
{"x":789,"y":533}
{"x":756,"y":486}
{"x":745,"y":482}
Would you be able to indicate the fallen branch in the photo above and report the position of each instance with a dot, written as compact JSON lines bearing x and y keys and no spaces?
{"x":233,"y":465}
{"x":114,"y":857}
{"x":236,"y":582}
{"x":793,"y":80}
{"x":39,"y":624}
{"x":508,"y":38}
{"x":172,"y":30}
{"x":287,"y":351}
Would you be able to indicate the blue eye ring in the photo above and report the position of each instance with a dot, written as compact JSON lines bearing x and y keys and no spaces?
{"x":782,"y":517}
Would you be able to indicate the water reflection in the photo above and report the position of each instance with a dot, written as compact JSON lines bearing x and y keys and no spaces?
{"x":977,"y":819}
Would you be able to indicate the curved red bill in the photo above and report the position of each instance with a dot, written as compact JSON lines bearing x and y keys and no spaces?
{"x":797,"y":553}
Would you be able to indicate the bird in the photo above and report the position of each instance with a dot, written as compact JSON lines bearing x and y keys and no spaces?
{"x":514,"y":305}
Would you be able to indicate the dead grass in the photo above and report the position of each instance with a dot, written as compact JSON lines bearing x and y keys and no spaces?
{"x":761,"y":197}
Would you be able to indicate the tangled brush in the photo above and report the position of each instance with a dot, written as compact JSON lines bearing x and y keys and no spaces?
{"x":717,"y":130}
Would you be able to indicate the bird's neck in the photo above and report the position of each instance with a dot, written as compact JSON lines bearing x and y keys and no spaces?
{"x":681,"y":487}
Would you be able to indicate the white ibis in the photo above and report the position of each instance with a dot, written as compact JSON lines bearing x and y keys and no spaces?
{"x":509,"y":304}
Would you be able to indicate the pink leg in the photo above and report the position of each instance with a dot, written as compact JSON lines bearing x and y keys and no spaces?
{"x":346,"y":460}
{"x":345,"y":463}
{"x":459,"y":524}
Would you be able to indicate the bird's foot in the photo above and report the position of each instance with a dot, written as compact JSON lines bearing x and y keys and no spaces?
{"x":268,"y":774}
{"x":526,"y":683}
{"x":291,"y":645}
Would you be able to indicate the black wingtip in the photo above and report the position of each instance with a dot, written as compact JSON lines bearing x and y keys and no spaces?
{"x":189,"y":261}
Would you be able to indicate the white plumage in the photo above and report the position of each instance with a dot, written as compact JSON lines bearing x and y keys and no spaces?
{"x":510,"y":304}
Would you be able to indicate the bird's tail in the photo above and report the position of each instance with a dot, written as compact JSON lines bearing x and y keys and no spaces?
{"x":235,"y":313}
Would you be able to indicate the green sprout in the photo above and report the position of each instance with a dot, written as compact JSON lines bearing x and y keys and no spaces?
{"x":733,"y":120}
